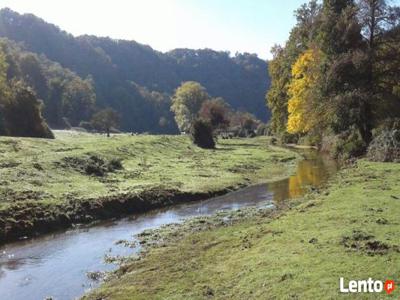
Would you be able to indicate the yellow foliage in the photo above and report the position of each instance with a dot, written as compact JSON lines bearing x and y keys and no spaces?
{"x":304,"y":77}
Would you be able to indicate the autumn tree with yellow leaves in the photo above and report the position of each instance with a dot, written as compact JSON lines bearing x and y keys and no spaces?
{"x":303,"y":103}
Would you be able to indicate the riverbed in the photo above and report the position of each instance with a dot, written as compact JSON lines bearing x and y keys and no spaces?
{"x":56,"y":265}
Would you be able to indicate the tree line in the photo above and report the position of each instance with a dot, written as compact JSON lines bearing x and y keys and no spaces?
{"x":205,"y":117}
{"x":336,"y":81}
{"x":38,"y":92}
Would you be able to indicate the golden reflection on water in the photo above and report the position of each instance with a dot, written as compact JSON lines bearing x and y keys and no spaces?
{"x":313,"y":171}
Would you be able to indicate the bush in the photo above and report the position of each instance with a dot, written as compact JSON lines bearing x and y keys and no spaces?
{"x":386,"y":125}
{"x":93,"y":165}
{"x":273,"y":141}
{"x":385,"y":147}
{"x":114,"y":164}
{"x":202,"y":134}
{"x":263,"y":129}
{"x":288,"y":138}
{"x":328,"y":143}
{"x":99,"y":167}
{"x":349,"y":144}
{"x":310,"y":140}
{"x":86,"y":125}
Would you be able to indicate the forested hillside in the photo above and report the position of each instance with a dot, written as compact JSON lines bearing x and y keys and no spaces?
{"x":20,"y":109}
{"x":64,"y":94}
{"x":136,"y":80}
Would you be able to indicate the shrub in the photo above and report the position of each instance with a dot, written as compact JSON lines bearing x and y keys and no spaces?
{"x":310,"y":140}
{"x":93,"y":165}
{"x":349,"y":144}
{"x":114,"y":164}
{"x":86,"y":125}
{"x":385,"y":146}
{"x":263,"y":129}
{"x":288,"y":138}
{"x":202,"y":134}
{"x":386,"y":125}
{"x":328,"y":143}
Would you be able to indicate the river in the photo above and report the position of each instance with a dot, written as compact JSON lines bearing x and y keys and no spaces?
{"x":56,"y":265}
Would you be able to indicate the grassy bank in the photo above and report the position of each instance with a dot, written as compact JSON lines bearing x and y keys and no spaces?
{"x":47,"y":184}
{"x":351,"y":229}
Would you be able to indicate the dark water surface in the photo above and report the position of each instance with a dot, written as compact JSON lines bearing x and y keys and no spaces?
{"x":56,"y":264}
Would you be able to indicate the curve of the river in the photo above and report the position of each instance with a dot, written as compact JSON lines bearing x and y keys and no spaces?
{"x":56,"y":265}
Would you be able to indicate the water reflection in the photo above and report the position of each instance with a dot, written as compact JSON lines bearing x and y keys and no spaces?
{"x":311,"y":172}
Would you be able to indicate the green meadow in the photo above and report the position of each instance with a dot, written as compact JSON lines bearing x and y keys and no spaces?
{"x":43,"y":179}
{"x":348,"y":229}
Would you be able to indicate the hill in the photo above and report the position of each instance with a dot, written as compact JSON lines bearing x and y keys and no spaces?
{"x":136,"y":80}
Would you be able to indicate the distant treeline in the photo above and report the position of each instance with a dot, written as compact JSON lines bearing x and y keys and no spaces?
{"x":336,"y":82}
{"x":77,"y":76}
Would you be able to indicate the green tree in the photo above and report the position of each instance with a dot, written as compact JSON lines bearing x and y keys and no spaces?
{"x":54,"y":106}
{"x":33,"y":73}
{"x":381,"y":29}
{"x":22,"y":113}
{"x":4,"y":90}
{"x":105,"y":119}
{"x":78,"y":100}
{"x":186,"y":103}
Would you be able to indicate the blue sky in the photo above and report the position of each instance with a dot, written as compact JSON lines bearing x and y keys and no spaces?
{"x":234,"y":25}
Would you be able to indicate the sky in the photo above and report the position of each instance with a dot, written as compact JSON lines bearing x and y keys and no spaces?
{"x":227,"y":25}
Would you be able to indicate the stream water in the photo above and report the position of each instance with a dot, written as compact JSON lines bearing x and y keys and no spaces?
{"x":56,"y":264}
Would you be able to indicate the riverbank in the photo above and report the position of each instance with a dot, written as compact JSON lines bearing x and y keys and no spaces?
{"x":80,"y":178}
{"x":349,"y":229}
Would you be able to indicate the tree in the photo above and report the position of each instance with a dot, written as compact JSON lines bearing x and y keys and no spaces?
{"x":216,"y":111}
{"x":78,"y":100}
{"x":22,"y":113}
{"x":280,"y":67}
{"x":33,"y":73}
{"x":4,"y":90}
{"x":187,"y":102}
{"x":245,"y":122}
{"x":202,"y":134}
{"x":376,"y":18}
{"x":303,"y":106}
{"x":54,"y":106}
{"x":380,"y":27}
{"x":277,"y":96}
{"x":105,"y":119}
{"x":20,"y":110}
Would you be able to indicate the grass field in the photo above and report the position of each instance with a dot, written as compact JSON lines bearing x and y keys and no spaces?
{"x":351,"y":229}
{"x":44,"y":181}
